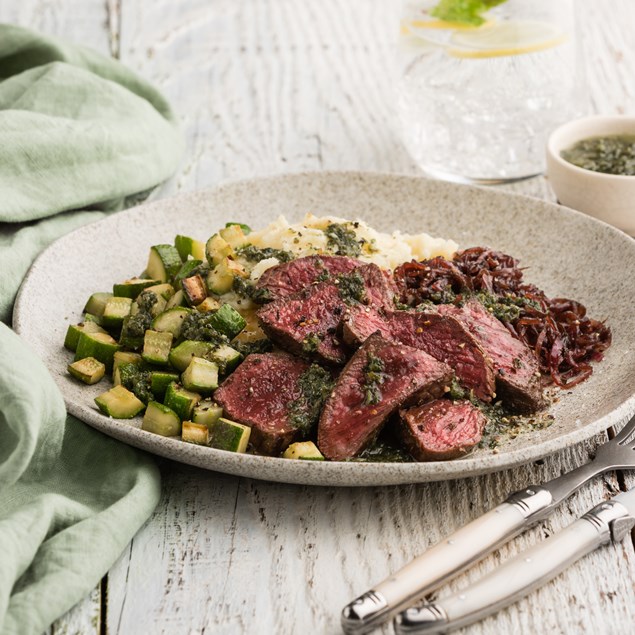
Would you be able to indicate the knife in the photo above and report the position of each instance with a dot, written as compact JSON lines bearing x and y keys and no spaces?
{"x":475,"y":540}
{"x":606,"y":522}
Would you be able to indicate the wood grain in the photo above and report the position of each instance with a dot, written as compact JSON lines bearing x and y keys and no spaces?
{"x":269,"y":86}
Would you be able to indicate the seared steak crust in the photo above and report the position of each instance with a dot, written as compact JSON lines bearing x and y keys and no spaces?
{"x":443,"y":337}
{"x":516,"y":367}
{"x":258,"y":394}
{"x":350,"y":421}
{"x":307,"y":323}
{"x":441,"y":430}
{"x":288,"y":278}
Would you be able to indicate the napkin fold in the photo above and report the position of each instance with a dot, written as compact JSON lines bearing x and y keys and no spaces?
{"x":80,"y":136}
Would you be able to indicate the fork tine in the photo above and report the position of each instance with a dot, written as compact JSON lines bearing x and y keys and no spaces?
{"x":625,"y":432}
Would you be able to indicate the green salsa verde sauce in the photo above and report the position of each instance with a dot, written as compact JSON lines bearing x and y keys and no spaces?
{"x":610,"y":154}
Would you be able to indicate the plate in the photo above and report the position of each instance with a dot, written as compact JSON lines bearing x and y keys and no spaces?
{"x":566,"y":253}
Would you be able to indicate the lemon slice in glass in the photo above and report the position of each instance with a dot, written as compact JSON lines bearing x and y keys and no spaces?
{"x":513,"y":37}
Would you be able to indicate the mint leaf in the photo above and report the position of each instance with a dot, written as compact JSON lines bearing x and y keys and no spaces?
{"x":463,"y":11}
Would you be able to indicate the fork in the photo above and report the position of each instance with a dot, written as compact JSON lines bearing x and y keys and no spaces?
{"x":475,"y":540}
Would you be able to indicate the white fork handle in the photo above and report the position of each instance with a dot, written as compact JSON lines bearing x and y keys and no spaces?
{"x":516,"y":577}
{"x":445,"y":560}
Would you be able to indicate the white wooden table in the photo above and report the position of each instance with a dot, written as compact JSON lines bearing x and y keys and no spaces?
{"x":269,"y":86}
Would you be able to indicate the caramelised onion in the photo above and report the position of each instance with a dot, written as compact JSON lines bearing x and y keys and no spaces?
{"x":563,"y":337}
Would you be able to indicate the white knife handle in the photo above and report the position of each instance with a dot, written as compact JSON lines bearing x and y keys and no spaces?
{"x":445,"y":560}
{"x":518,"y":576}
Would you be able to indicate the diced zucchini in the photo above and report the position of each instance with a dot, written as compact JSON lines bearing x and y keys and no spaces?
{"x":156,"y":346}
{"x":119,"y":403}
{"x":89,"y":317}
{"x":246,"y":229}
{"x":208,"y":304}
{"x":178,"y":299}
{"x":216,"y":249}
{"x":160,"y":419}
{"x":159,"y":382}
{"x":305,"y":450}
{"x":116,"y":309}
{"x":200,"y":376}
{"x":234,"y":236}
{"x":163,"y":262}
{"x":97,"y":303}
{"x":187,"y":246}
{"x":75,"y":330}
{"x":182,"y":401}
{"x":220,"y":279}
{"x":186,"y":269}
{"x":207,"y":412}
{"x":181,"y":355}
{"x":129,"y":337}
{"x":228,"y":321}
{"x":229,"y":435}
{"x":164,"y":290}
{"x":194,"y":433}
{"x":157,"y":308}
{"x":89,"y":370}
{"x":226,"y":357}
{"x":133,"y":287}
{"x":195,"y":289}
{"x":170,"y":321}
{"x":101,"y":346}
{"x":123,"y":357}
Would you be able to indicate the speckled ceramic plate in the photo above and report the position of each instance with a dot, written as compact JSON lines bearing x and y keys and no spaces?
{"x":566,"y":253}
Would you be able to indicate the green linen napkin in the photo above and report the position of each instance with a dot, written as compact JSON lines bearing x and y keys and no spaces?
{"x":80,"y":136}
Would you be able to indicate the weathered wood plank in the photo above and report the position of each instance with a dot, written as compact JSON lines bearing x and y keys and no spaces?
{"x":81,"y":21}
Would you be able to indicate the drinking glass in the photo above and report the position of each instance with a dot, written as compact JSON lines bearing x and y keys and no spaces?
{"x":478,"y":99}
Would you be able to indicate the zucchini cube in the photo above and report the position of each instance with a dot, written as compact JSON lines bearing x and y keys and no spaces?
{"x":97,"y":303}
{"x":119,"y":403}
{"x":101,"y":346}
{"x":180,"y":400}
{"x":89,"y":370}
{"x":171,"y":320}
{"x":207,"y":412}
{"x":187,"y":246}
{"x":159,"y":382}
{"x":75,"y":330}
{"x":116,"y":309}
{"x":133,"y":287}
{"x":228,"y":321}
{"x":216,"y":249}
{"x":194,"y":433}
{"x":156,"y":346}
{"x":304,"y":450}
{"x":200,"y":376}
{"x":208,"y":305}
{"x":229,"y":435}
{"x":186,"y":269}
{"x":163,"y":262}
{"x":160,"y":419}
{"x":195,"y":289}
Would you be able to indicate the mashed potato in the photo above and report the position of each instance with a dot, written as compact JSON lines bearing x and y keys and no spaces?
{"x":385,"y":250}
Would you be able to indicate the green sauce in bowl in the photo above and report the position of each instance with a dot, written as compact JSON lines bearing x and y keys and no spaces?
{"x":610,"y":154}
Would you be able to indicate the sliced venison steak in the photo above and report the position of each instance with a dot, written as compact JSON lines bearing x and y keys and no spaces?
{"x":381,"y":377}
{"x":516,"y":367}
{"x":307,"y":323}
{"x":441,"y":430}
{"x":288,"y":278}
{"x":443,"y":337}
{"x":259,"y":394}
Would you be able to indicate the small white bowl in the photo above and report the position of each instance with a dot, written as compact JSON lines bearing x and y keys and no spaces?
{"x":609,"y":197}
